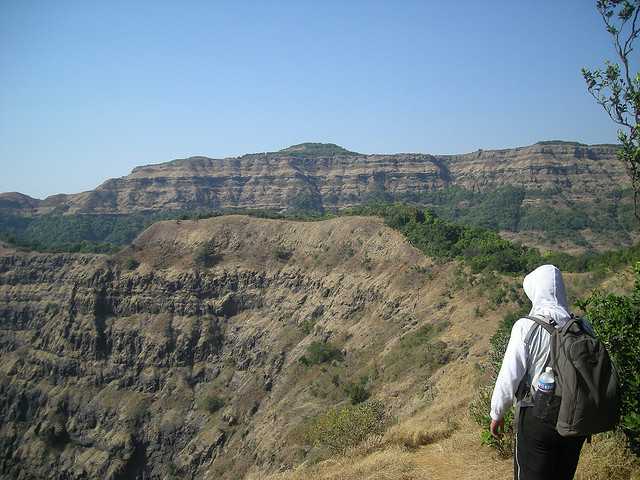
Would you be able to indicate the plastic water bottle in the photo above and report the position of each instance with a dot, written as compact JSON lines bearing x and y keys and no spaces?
{"x":545,"y":404}
{"x":547,"y":382}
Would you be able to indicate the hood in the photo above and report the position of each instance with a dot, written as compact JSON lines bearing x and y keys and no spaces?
{"x":545,"y":288}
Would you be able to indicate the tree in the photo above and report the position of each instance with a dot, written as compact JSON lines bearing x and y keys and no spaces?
{"x":617,"y":89}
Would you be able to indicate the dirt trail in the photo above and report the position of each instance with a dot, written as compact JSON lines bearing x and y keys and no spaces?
{"x":461,"y":457}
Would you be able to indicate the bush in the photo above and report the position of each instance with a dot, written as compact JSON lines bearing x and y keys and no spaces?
{"x":212,"y":403}
{"x":479,"y":412}
{"x":343,"y":428}
{"x":357,"y":392}
{"x":282,"y":254}
{"x":616,"y":321}
{"x":319,"y":352}
{"x":417,"y":350}
{"x":480,"y":406}
{"x":206,"y":255}
{"x":131,"y":263}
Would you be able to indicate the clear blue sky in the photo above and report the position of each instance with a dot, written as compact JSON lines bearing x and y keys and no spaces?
{"x":89,"y":90}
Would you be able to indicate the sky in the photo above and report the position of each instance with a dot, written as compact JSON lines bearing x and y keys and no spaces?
{"x":90,"y":90}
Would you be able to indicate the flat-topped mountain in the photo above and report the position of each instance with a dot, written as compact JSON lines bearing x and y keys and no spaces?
{"x":321,"y":176}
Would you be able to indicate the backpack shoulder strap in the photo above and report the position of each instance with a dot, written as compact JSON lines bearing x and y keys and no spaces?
{"x":532,"y":330}
{"x":549,"y":326}
{"x":569,"y":326}
{"x":525,"y":392}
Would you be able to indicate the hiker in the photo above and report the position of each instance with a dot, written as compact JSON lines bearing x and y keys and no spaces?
{"x":540,"y":451}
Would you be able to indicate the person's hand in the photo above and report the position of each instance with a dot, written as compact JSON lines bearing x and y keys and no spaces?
{"x":497,"y":428}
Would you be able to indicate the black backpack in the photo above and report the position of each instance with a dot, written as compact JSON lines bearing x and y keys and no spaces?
{"x":587,"y":395}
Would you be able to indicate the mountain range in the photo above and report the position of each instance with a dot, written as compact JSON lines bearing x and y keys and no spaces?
{"x":325,"y":176}
{"x":552,"y":194}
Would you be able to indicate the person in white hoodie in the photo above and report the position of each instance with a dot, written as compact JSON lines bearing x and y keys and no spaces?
{"x":540,"y":452}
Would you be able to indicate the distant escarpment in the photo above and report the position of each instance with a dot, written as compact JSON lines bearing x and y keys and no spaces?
{"x":182,"y":356}
{"x":552,"y":194}
{"x":325,"y":176}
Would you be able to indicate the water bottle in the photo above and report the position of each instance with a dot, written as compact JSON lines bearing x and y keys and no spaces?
{"x":545,"y":404}
{"x":547,"y":382}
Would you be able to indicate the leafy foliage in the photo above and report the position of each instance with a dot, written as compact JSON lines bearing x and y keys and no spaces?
{"x":357,"y":391}
{"x":206,"y":255}
{"x":481,"y":404}
{"x":479,"y":412}
{"x":305,"y":202}
{"x":505,"y":208}
{"x":418,"y":351}
{"x":343,"y":428}
{"x":480,"y":248}
{"x":212,"y":403}
{"x":319,"y":149}
{"x":318,"y":352}
{"x":283,"y":254}
{"x":498,"y":209}
{"x":76,"y":233}
{"x":616,"y":88}
{"x":131,"y":263}
{"x":616,"y":321}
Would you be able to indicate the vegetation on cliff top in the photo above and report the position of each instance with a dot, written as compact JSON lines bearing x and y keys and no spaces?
{"x":480,"y":248}
{"x":316,"y":149}
{"x":510,"y":209}
{"x":616,"y":321}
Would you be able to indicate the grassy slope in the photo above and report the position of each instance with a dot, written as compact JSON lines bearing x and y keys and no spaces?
{"x":433,"y":436}
{"x":438,"y":440}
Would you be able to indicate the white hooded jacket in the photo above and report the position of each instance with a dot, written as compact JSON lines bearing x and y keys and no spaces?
{"x":545,"y":288}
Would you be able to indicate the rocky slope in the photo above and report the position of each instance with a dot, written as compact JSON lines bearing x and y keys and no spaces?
{"x":112,"y":367}
{"x":325,"y":176}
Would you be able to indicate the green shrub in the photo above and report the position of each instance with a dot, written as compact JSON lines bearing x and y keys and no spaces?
{"x":616,"y":321}
{"x":346,"y":251}
{"x":479,"y":411}
{"x":357,"y":392}
{"x":318,"y":352}
{"x":422,"y":335}
{"x":343,"y":428}
{"x":418,"y":349}
{"x":480,"y":406}
{"x":131,"y":263}
{"x":78,"y":232}
{"x":283,"y":254}
{"x":307,"y":326}
{"x":212,"y":403}
{"x":206,"y":255}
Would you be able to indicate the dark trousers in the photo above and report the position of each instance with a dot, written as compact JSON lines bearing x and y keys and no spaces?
{"x":541,"y":452}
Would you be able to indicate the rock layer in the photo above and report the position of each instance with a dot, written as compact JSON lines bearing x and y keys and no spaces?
{"x":111,"y":368}
{"x":331,"y":177}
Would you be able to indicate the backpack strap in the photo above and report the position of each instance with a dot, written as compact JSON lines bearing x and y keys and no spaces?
{"x":579,"y":325}
{"x":524,"y":392}
{"x":548,"y":325}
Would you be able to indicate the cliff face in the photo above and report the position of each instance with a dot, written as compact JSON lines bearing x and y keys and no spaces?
{"x":112,"y":367}
{"x":332,"y":177}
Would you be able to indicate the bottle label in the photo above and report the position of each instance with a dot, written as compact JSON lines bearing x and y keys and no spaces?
{"x":546,"y":387}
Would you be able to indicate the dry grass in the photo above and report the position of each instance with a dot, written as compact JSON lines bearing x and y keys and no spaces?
{"x":394,"y":463}
{"x":414,"y":436}
{"x":607,"y":458}
{"x":458,"y":456}
{"x":434,"y":439}
{"x":461,"y":457}
{"x":441,"y":442}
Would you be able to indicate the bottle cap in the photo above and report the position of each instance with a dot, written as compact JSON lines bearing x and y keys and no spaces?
{"x":548,"y":369}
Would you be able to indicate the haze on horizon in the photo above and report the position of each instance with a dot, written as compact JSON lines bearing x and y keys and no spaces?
{"x":88,"y":90}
